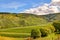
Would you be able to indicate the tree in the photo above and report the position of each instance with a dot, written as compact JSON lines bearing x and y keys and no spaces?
{"x":57,"y":26}
{"x":43,"y":32}
{"x":35,"y":33}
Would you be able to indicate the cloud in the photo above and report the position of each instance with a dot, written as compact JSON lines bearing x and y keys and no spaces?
{"x":55,"y":0}
{"x":52,"y":7}
{"x":14,"y":5}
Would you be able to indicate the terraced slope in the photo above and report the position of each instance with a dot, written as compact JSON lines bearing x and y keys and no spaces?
{"x":22,"y":32}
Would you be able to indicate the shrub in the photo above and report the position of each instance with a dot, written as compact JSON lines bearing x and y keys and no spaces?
{"x":57,"y":26}
{"x":52,"y":29}
{"x":35,"y":33}
{"x":45,"y":32}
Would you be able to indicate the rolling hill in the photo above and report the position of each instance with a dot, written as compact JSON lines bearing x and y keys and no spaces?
{"x":8,"y":20}
{"x":19,"y":26}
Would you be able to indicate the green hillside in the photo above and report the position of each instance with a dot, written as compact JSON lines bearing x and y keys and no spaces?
{"x":8,"y":20}
{"x":19,"y":25}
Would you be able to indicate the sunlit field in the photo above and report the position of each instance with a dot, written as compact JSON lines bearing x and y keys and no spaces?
{"x":29,"y":27}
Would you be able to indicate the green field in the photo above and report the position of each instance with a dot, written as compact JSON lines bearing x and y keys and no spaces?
{"x":21,"y":32}
{"x":17,"y":32}
{"x":19,"y":26}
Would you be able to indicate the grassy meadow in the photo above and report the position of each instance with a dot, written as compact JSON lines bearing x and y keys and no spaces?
{"x":22,"y":33}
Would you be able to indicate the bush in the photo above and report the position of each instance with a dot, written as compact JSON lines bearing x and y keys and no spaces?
{"x":57,"y":26}
{"x":52,"y":29}
{"x":45,"y":32}
{"x":35,"y":33}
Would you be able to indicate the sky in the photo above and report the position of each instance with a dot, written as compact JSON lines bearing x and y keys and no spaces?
{"x":46,"y":7}
{"x":16,"y":6}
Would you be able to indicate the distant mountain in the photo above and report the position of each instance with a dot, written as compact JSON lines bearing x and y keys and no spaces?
{"x":52,"y":17}
{"x":8,"y":20}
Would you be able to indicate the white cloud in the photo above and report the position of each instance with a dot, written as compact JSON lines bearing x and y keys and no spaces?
{"x":14,"y":5}
{"x":52,"y":7}
{"x":55,"y":0}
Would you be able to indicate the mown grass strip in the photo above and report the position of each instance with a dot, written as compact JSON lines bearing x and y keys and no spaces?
{"x":15,"y":35}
